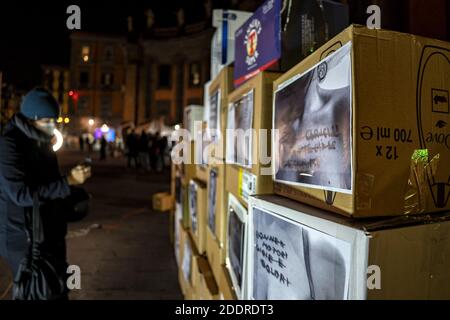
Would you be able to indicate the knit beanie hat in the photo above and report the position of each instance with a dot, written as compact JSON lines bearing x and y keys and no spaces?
{"x":39,"y":104}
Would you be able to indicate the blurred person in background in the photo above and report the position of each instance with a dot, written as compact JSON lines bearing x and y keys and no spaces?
{"x":131,"y":144}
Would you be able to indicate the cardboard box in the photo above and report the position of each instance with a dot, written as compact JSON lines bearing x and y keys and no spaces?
{"x":188,"y":256}
{"x":217,"y":217}
{"x":186,"y":218}
{"x":236,"y":245}
{"x":207,"y":288}
{"x":202,"y":162}
{"x":162,"y":201}
{"x":192,"y":114}
{"x":198,"y":214}
{"x":226,"y":285}
{"x":219,"y":89}
{"x":215,"y":253}
{"x":189,"y":164}
{"x":326,"y":256}
{"x":254,"y":178}
{"x":222,"y":44}
{"x":363,"y":125}
{"x":217,"y":203}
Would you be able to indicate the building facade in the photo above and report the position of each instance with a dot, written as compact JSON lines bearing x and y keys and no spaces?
{"x":97,"y":79}
{"x":165,"y":75}
{"x":56,"y":79}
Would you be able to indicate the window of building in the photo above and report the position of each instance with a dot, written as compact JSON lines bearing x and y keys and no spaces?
{"x":106,"y":106}
{"x":85,"y":53}
{"x":162,"y":107}
{"x":107,"y":79}
{"x":195,"y":74}
{"x":165,"y":76}
{"x":109,"y":54}
{"x":84,"y":79}
{"x":83,"y":106}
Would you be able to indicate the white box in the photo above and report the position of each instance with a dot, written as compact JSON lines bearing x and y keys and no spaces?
{"x":319,"y":255}
{"x":222,"y":45}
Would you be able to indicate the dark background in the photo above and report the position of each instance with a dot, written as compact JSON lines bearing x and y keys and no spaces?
{"x":33,"y":33}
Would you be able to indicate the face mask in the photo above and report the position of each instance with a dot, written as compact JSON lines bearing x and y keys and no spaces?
{"x":48,"y":128}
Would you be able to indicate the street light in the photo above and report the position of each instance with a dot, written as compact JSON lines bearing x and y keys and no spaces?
{"x":104,"y":128}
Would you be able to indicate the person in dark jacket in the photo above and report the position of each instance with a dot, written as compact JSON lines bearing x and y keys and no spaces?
{"x":28,"y":165}
{"x":103,"y":146}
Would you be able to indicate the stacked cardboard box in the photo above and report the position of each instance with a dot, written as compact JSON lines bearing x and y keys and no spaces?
{"x":361,"y":131}
{"x":314,"y":254}
{"x":363,"y":125}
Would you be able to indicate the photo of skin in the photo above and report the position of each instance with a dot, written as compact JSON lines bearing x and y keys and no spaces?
{"x":240,"y":121}
{"x":294,"y":262}
{"x":313,"y":118}
{"x":212,"y":200}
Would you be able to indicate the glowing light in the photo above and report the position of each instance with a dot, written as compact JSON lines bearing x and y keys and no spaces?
{"x":66,"y":120}
{"x":91,"y":122}
{"x":60,"y":120}
{"x":177,"y":127}
{"x":59,"y":140}
{"x":104,"y":128}
{"x":86,"y":58}
{"x":71,"y":93}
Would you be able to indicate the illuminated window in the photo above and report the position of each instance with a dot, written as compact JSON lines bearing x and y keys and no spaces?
{"x":194,"y":74}
{"x":85,"y":50}
{"x":107,"y":79}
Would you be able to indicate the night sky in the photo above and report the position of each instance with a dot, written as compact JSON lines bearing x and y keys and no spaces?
{"x":33,"y":33}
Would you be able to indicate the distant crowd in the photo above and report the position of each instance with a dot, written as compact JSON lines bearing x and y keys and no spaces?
{"x":146,"y":151}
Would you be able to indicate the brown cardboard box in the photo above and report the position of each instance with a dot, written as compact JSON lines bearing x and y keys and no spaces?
{"x":216,"y":219}
{"x":198,"y":231}
{"x":188,"y":261}
{"x":405,"y":257}
{"x":189,"y":168}
{"x":175,"y":172}
{"x":207,"y":286}
{"x":202,"y":164}
{"x":217,"y":222}
{"x":215,"y":253}
{"x":396,"y":160}
{"x":225,"y":285}
{"x":223,"y":84}
{"x":162,"y":201}
{"x":242,"y":181}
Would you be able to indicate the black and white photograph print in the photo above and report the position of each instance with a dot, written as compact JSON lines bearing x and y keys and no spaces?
{"x":312,"y":115}
{"x":187,"y":260}
{"x":239,"y":131}
{"x":212,"y":189}
{"x":294,"y":262}
{"x":236,"y":242}
{"x":193,"y":205}
{"x":214,"y":115}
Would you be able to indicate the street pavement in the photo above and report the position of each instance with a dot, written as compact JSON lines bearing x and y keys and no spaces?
{"x":122,"y":247}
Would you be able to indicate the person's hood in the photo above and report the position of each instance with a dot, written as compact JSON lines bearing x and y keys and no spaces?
{"x":21,"y":122}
